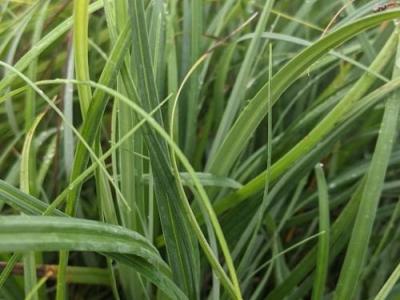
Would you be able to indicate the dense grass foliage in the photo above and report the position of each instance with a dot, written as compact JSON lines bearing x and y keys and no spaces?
{"x":198,"y":149}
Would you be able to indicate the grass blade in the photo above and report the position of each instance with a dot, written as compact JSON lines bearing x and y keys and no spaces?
{"x":56,"y":233}
{"x":327,"y":124}
{"x":238,"y":92}
{"x":357,"y":249}
{"x":321,"y":273}
{"x":181,"y":247}
{"x":384,"y":292}
{"x":29,"y":185}
{"x":250,"y":118}
{"x":43,"y":44}
{"x":30,"y":102}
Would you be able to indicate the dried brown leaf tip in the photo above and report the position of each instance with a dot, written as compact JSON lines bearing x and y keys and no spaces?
{"x":385,"y":6}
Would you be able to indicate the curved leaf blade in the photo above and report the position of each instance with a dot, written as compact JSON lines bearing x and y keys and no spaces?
{"x":248,"y":121}
{"x":35,"y":233}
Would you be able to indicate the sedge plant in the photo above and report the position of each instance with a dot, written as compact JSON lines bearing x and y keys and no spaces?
{"x":199,"y":149}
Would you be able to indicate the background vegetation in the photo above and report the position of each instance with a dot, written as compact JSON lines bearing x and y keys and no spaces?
{"x":236,"y":149}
